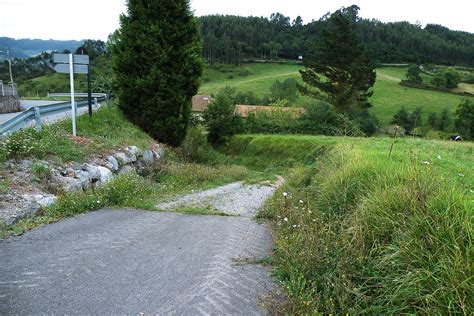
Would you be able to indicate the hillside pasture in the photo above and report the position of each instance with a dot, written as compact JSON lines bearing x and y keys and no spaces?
{"x":388,"y":96}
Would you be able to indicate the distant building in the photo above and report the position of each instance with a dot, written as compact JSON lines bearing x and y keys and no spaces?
{"x":200,"y":103}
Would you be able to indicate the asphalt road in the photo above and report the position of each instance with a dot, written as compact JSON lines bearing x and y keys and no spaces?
{"x":131,"y":262}
{"x":26,"y":104}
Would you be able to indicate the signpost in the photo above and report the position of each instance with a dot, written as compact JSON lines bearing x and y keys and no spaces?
{"x":71,"y":64}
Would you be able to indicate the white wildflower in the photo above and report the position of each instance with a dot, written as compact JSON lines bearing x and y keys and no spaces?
{"x":285,"y":194}
{"x":286,"y":219}
{"x":301,"y":202}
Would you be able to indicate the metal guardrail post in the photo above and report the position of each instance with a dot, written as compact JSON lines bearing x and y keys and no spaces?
{"x":37,"y":118}
{"x":95,"y":102}
{"x":3,"y":91}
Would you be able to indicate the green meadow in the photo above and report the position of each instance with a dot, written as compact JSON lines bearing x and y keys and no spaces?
{"x":388,"y":96}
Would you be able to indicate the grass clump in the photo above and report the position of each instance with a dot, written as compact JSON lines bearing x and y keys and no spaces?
{"x":356,"y":232}
{"x":106,"y":130}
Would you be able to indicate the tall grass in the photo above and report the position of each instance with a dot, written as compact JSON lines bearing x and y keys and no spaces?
{"x":356,"y":232}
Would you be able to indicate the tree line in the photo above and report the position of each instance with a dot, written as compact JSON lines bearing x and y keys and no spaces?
{"x":233,"y":39}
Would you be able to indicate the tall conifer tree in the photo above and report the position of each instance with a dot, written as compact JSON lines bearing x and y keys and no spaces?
{"x":339,"y":71}
{"x":157,"y":64}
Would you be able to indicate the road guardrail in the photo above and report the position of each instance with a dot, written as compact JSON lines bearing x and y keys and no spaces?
{"x":35,"y":114}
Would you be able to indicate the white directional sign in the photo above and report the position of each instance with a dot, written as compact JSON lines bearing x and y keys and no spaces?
{"x":64,"y":59}
{"x":64,"y":68}
{"x":71,"y":64}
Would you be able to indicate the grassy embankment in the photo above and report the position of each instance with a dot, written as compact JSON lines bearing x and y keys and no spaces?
{"x":358,"y":232}
{"x":107,"y":131}
{"x":388,"y":96}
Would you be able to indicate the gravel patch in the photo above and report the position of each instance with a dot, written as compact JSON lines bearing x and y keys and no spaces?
{"x":234,"y":198}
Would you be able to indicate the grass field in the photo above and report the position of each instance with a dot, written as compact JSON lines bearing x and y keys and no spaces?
{"x":388,"y":96}
{"x":357,"y":232}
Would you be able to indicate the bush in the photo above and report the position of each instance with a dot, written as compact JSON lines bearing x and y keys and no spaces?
{"x":408,"y":120}
{"x":195,"y":148}
{"x":413,"y":74}
{"x":286,"y":90}
{"x":219,"y":117}
{"x":246,"y":98}
{"x":448,"y":79}
{"x":318,"y":119}
{"x":465,"y":119}
{"x":368,"y":123}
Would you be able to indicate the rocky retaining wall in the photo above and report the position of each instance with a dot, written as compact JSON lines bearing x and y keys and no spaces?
{"x":23,"y":198}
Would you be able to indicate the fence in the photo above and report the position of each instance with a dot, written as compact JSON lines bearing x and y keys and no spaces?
{"x":35,"y":114}
{"x":8,"y":90}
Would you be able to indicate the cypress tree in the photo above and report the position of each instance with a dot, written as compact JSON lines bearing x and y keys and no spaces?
{"x":157,"y":64}
{"x":339,"y":71}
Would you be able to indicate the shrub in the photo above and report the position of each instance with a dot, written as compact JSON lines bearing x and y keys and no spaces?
{"x":413,"y":74}
{"x":465,"y":119}
{"x":246,"y":98}
{"x":408,"y":120}
{"x":195,"y":147}
{"x":219,"y":117}
{"x":286,"y":90}
{"x":368,"y":123}
{"x":448,"y":79}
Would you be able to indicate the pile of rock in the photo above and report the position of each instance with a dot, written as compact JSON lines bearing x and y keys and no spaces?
{"x":26,"y":198}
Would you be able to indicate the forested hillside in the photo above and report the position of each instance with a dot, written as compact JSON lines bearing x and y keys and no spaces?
{"x":231,"y":39}
{"x":24,"y":48}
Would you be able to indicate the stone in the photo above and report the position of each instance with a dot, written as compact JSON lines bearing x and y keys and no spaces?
{"x":105,"y":175}
{"x":135,"y":151}
{"x":67,"y":184}
{"x":93,"y":171}
{"x":126,"y":170}
{"x":113,"y":162}
{"x":84,"y":179}
{"x":109,"y":166}
{"x":122,"y":158}
{"x":67,"y":172}
{"x":158,"y":151}
{"x":46,"y":200}
{"x":148,"y":156}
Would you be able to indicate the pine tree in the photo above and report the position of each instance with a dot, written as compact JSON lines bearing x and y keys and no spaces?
{"x":157,"y":64}
{"x":339,"y":71}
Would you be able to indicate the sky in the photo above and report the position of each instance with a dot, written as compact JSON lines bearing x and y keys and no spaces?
{"x":96,"y":19}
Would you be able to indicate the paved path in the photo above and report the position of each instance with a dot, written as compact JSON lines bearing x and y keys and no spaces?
{"x":129,"y":261}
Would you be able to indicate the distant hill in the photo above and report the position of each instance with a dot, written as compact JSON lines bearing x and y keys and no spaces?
{"x":24,"y":48}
